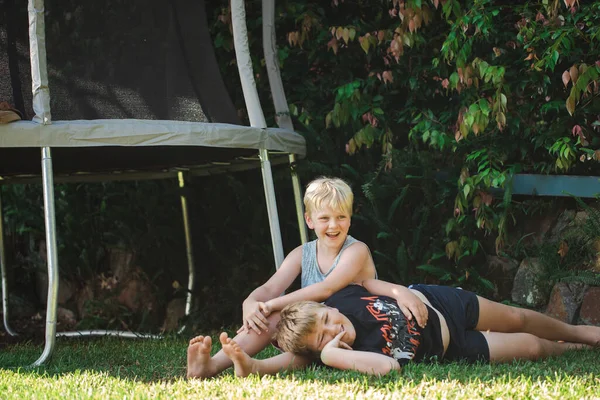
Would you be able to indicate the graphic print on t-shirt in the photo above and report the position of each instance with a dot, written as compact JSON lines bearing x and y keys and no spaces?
{"x":402,"y":339}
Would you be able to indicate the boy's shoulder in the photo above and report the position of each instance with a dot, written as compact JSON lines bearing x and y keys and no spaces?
{"x":355,"y":246}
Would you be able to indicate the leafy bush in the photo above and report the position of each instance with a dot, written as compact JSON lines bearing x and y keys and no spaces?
{"x":426,"y":107}
{"x":487,"y":89}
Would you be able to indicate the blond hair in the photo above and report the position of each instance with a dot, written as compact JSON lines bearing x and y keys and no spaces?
{"x":297,"y":321}
{"x":328,"y":192}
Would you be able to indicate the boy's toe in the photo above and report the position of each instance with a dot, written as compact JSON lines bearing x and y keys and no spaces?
{"x":224,"y":338}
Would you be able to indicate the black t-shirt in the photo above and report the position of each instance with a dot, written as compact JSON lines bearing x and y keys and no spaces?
{"x":381,"y":327}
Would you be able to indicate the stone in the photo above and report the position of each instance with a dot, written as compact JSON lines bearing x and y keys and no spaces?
{"x":82,"y":297}
{"x":174,"y":313}
{"x":501,"y":271}
{"x":581,"y":217}
{"x":528,"y":286}
{"x":536,"y":228}
{"x":136,"y":293}
{"x":590,"y":307}
{"x":121,"y":263}
{"x":563,"y":222}
{"x":595,"y":264}
{"x":65,"y":318}
{"x":65,"y":288}
{"x":565,"y":301}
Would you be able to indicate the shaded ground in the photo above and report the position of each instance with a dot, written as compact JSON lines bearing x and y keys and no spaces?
{"x":28,"y":329}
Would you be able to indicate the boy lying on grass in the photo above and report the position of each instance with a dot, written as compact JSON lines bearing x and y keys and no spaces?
{"x":327,"y":264}
{"x":357,"y":330}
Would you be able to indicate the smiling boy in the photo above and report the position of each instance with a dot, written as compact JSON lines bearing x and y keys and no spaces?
{"x":327,"y":264}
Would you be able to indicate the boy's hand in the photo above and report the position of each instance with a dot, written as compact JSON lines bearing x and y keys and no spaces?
{"x":411,"y":305}
{"x":336,"y":343}
{"x":328,"y":354}
{"x":253,"y":318}
{"x":265,"y":308}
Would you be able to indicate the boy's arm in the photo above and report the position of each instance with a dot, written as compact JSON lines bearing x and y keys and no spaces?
{"x":362,"y":361}
{"x":278,"y":283}
{"x":280,"y":363}
{"x":409,"y":303}
{"x":354,"y":258}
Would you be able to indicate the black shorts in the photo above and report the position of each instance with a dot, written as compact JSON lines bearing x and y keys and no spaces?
{"x":460,"y":308}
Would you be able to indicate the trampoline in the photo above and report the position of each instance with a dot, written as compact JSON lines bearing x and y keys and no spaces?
{"x":132,"y":93}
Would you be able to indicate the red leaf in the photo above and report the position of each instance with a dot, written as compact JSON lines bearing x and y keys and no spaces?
{"x":486,"y":198}
{"x":333,"y":44}
{"x":574,"y":72}
{"x":566,"y":77}
{"x":563,"y":249}
{"x":387,"y":76}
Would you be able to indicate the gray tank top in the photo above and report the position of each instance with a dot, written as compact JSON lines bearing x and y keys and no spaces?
{"x":311,"y":273}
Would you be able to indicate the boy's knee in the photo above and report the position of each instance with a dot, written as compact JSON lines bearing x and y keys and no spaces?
{"x":518,"y":319}
{"x":536,"y":347}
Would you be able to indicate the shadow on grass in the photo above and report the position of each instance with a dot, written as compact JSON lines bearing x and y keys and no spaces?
{"x":140,"y":359}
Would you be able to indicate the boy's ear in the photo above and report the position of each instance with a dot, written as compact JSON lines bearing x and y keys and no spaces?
{"x":308,"y":220}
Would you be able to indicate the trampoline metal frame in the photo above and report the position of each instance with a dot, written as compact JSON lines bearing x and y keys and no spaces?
{"x":41,"y":107}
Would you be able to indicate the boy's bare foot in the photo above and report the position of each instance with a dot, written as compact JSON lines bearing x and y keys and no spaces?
{"x":591,"y":335}
{"x":199,"y":363}
{"x":576,"y":346}
{"x":243,"y":364}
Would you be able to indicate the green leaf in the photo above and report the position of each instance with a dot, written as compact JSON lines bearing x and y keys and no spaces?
{"x":570,"y":103}
{"x":475,"y":247}
{"x":469,"y":119}
{"x":352,"y":33}
{"x":450,"y":226}
{"x":474,"y":108}
{"x":383,"y":235}
{"x":453,"y":80}
{"x":425,"y":136}
{"x":483,"y":66}
{"x":503,"y":100}
{"x":484,"y":106}
{"x":555,"y":56}
{"x":486,"y":283}
{"x":396,"y":203}
{"x":434,"y":270}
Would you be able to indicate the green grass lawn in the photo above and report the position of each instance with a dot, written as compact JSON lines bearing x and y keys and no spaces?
{"x":128,"y":369}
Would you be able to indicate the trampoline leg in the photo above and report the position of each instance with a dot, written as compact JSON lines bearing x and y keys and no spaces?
{"x":188,"y":248}
{"x":4,"y":281}
{"x":298,"y":200}
{"x":282,"y":110}
{"x":265,"y":166}
{"x":48,"y":185}
{"x":257,"y":119}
